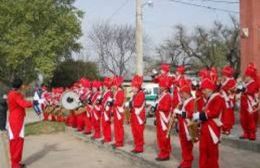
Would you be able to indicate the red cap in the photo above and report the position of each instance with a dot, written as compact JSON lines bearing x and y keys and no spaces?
{"x":118,"y":80}
{"x":214,"y":74}
{"x":228,"y":71}
{"x":204,"y":73}
{"x":96,"y":84}
{"x":165,"y":82}
{"x":85,"y":83}
{"x":108,"y":82}
{"x":137,"y":81}
{"x":251,"y":71}
{"x":185,"y":88}
{"x":185,"y":85}
{"x":181,"y":69}
{"x":207,"y":84}
{"x":165,"y":67}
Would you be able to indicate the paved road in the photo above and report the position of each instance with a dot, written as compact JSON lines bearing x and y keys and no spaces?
{"x":61,"y":150}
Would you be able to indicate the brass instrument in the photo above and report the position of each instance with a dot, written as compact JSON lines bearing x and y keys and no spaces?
{"x":172,"y":122}
{"x":193,"y":126}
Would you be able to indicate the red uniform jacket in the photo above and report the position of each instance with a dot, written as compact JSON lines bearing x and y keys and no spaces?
{"x":17,"y":105}
{"x":213,"y":109}
{"x":89,"y":106}
{"x":106,"y":110}
{"x":119,"y":104}
{"x":188,"y":108}
{"x":138,"y":107}
{"x":96,"y":111}
{"x":163,"y":110}
{"x":248,"y":98}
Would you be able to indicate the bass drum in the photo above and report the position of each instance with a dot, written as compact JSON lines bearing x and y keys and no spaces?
{"x":70,"y":100}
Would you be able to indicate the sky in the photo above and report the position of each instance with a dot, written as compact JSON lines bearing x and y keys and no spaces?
{"x":158,"y":21}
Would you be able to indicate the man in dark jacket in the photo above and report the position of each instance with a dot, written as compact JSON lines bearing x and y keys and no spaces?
{"x":3,"y":111}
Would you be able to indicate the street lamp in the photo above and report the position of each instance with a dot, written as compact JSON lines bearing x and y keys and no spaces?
{"x":139,"y":34}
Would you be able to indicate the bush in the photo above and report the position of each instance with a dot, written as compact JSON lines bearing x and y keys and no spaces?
{"x":70,"y":71}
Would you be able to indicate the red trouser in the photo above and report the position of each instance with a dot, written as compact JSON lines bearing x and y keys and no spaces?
{"x":72,"y":121}
{"x":248,"y":120}
{"x":138,"y":134}
{"x":96,"y":125}
{"x":119,"y":131}
{"x":106,"y":129}
{"x":249,"y":123}
{"x":209,"y":152}
{"x":16,"y":151}
{"x":186,"y":147}
{"x":164,"y":144}
{"x":228,"y":119}
{"x":45,"y":116}
{"x":80,"y":121}
{"x":88,"y":125}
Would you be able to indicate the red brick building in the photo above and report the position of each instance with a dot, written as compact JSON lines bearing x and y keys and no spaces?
{"x":250,"y":32}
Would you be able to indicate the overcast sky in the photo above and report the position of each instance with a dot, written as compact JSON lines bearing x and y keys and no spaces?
{"x":158,"y":20}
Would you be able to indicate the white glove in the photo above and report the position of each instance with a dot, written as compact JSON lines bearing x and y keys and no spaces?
{"x":127,"y":104}
{"x":196,"y":116}
{"x":154,"y":71}
{"x":240,"y":86}
{"x":109,"y":99}
{"x":4,"y":96}
{"x":194,"y":83}
{"x":177,"y":111}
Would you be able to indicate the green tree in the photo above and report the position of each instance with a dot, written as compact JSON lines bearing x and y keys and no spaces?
{"x":37,"y":34}
{"x":70,"y":71}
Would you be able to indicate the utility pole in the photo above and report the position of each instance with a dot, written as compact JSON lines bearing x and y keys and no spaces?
{"x":139,"y":37}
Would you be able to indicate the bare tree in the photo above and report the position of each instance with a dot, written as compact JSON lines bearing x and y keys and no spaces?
{"x":203,"y":47}
{"x":115,"y":47}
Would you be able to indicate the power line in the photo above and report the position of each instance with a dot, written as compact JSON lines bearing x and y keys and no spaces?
{"x":204,"y":6}
{"x":219,"y":1}
{"x":118,"y":10}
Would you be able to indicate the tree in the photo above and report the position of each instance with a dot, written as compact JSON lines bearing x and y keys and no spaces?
{"x":216,"y":46}
{"x":37,"y":34}
{"x":114,"y":46}
{"x":71,"y":71}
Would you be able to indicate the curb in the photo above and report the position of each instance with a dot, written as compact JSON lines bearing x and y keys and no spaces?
{"x":234,"y":142}
{"x":137,"y":159}
{"x":231,"y":141}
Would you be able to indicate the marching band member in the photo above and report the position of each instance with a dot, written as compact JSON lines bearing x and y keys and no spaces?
{"x":184,"y":114}
{"x":249,"y":104}
{"x":89,"y":107}
{"x":47,"y":101}
{"x":165,"y":71}
{"x":203,"y":74}
{"x":210,"y":125}
{"x":96,"y":109}
{"x":118,"y":110}
{"x":137,"y":110}
{"x":162,"y":118}
{"x":227,"y":91}
{"x":17,"y":105}
{"x":214,"y":75}
{"x":106,"y":110}
{"x":176,"y":85}
{"x":84,"y":89}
